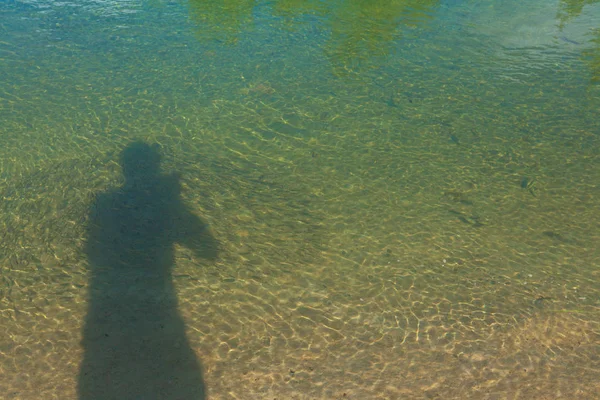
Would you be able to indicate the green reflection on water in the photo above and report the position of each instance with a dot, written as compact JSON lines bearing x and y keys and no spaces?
{"x":570,"y":9}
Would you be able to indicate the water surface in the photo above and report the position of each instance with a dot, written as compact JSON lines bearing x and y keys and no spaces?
{"x":299,"y":200}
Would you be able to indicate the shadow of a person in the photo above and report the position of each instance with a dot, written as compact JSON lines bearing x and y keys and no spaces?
{"x":134,"y":339}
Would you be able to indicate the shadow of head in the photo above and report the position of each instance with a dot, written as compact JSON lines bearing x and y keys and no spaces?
{"x":140,"y":160}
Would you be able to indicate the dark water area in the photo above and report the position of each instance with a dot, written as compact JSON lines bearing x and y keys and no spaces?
{"x":299,"y":200}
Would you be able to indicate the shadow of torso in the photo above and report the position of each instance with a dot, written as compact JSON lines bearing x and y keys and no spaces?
{"x":134,"y":337}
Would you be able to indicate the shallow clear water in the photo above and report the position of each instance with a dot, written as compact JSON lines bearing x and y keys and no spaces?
{"x":299,"y":200}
